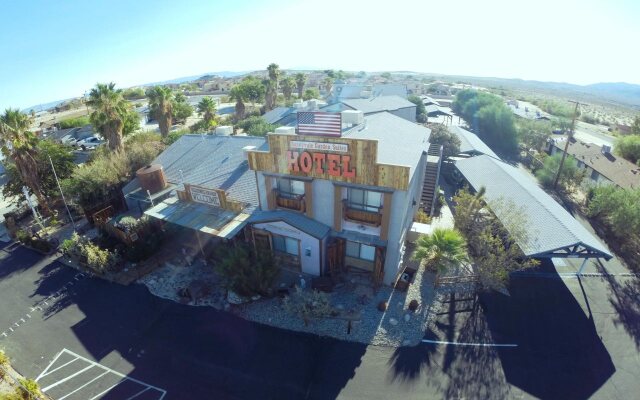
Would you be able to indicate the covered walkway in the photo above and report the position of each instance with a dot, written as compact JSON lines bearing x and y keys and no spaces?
{"x":552,"y":231}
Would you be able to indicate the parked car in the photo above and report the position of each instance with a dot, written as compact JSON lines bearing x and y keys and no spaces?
{"x":69,"y":140}
{"x":89,"y":143}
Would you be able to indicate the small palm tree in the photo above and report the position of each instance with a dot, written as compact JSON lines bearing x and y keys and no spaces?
{"x":161,"y":99}
{"x":287,"y":84}
{"x":301,"y":79}
{"x":273,"y":71}
{"x":328,"y":84}
{"x":20,"y":146}
{"x":110,"y":111}
{"x":443,"y":249}
{"x":238,"y":94}
{"x":207,"y":109}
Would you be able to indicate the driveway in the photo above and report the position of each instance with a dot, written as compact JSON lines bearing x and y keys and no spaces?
{"x":107,"y":332}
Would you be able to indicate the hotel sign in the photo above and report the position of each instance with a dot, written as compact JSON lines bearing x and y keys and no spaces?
{"x":205,"y":196}
{"x":321,"y":146}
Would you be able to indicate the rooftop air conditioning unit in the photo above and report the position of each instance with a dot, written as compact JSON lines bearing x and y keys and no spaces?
{"x":286,"y":130}
{"x":352,"y":117}
{"x":312,"y":105}
{"x":224,"y":130}
{"x":606,"y":149}
{"x":298,"y":105}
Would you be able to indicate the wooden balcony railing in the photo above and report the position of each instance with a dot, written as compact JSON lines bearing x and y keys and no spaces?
{"x":371,"y":218}
{"x":296,"y":203}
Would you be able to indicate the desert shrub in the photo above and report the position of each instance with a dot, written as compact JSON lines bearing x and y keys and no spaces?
{"x":74,"y":122}
{"x":245,"y":272}
{"x":629,"y":147}
{"x":307,"y":304}
{"x":29,"y":389}
{"x":127,"y":224}
{"x":422,"y":217}
{"x":83,"y":250}
{"x":255,"y":126}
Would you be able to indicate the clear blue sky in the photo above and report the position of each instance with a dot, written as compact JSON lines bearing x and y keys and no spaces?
{"x":58,"y":49}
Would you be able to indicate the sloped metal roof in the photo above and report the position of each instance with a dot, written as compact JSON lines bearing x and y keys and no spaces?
{"x":300,"y":221}
{"x":378,"y":104}
{"x":552,"y":231}
{"x":470,"y":143}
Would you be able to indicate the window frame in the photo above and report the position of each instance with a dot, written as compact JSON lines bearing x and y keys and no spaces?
{"x":364,"y":204}
{"x":286,"y":241}
{"x":289,"y":191}
{"x":360,"y":246}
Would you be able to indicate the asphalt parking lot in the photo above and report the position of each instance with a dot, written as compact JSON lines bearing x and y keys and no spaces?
{"x":568,"y":339}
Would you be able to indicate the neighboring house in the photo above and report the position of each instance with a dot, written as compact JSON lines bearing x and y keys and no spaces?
{"x":193,"y":168}
{"x":601,"y":165}
{"x":345,"y":203}
{"x":344,"y":91}
{"x":470,"y":143}
{"x":288,"y":115}
{"x":395,"y":105}
{"x":67,"y":136}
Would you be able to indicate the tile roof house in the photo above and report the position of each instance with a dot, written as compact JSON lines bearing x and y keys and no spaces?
{"x":602,"y":166}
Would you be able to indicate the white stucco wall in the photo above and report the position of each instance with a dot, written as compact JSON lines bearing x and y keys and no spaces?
{"x":323,"y":201}
{"x":310,"y":264}
{"x":262,"y":191}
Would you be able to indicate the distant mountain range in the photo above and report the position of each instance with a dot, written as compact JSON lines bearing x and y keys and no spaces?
{"x":223,"y":74}
{"x":615,"y":93}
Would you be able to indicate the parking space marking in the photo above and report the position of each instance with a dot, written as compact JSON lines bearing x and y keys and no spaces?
{"x":89,"y":364}
{"x":470,"y":344}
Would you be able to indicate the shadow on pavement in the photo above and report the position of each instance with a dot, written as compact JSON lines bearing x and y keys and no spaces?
{"x":408,"y":363}
{"x":198,"y":352}
{"x":16,"y":260}
{"x":559,"y":353}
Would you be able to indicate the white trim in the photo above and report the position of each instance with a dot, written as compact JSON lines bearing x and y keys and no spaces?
{"x":469,"y":344}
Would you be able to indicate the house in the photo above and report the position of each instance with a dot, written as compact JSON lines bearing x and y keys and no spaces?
{"x":71,"y":135}
{"x":201,"y":183}
{"x":601,"y":165}
{"x":287,"y":115}
{"x":395,"y":105}
{"x":342,"y":91}
{"x":340,"y":203}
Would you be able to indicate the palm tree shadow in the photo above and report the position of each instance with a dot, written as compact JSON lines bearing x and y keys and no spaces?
{"x":407,"y":363}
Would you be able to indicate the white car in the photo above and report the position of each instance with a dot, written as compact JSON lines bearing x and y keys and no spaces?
{"x":89,"y":143}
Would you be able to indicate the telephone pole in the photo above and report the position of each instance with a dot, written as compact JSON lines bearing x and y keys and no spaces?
{"x":566,"y":146}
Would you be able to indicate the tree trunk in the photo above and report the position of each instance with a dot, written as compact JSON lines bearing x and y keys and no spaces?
{"x":164,"y":122}
{"x":300,"y":90}
{"x":113,"y":134}
{"x":240,"y":110}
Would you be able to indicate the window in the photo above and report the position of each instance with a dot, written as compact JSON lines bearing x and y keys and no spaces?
{"x":595,"y":175}
{"x":580,"y":164}
{"x":290,"y":188}
{"x":361,"y":251}
{"x":365,"y":200}
{"x":283,"y":244}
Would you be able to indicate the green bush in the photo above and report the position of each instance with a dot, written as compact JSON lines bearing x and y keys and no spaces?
{"x":245,"y":272}
{"x":29,"y":389}
{"x":74,"y":122}
{"x":255,"y":126}
{"x":96,"y":259}
{"x":307,"y":304}
{"x":629,"y":147}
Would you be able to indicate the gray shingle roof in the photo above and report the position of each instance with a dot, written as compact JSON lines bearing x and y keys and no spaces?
{"x":216,"y":162}
{"x":400,"y":142}
{"x":277,"y":114}
{"x":297,"y":220}
{"x":470,"y":143}
{"x":378,"y":104}
{"x":550,"y":227}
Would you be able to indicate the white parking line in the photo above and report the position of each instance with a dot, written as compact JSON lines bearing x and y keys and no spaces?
{"x":470,"y":344}
{"x":91,"y":364}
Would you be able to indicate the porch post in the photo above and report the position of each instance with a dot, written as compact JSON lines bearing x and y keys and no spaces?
{"x":584,"y":262}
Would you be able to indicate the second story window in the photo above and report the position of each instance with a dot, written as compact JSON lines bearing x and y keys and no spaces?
{"x":365,"y":200}
{"x":290,"y":188}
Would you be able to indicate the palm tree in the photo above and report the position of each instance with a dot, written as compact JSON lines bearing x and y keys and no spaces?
{"x":443,"y":249}
{"x":301,"y":79}
{"x":238,"y":94}
{"x":207,"y":109}
{"x":328,"y":83}
{"x":19,"y":145}
{"x":110,"y":110}
{"x":273,"y":71}
{"x":288,"y":83}
{"x":161,"y":99}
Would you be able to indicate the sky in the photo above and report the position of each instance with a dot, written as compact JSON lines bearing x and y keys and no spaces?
{"x":55,"y":50}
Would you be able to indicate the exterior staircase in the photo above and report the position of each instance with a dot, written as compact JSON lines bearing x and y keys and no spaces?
{"x":431,"y":178}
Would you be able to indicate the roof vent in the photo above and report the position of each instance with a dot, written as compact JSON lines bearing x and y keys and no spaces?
{"x":606,"y":149}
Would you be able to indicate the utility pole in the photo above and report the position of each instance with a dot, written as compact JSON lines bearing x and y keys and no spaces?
{"x":566,"y":146}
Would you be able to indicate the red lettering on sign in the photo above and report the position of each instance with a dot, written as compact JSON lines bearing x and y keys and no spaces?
{"x":306,"y":162}
{"x":319,"y":160}
{"x":346,"y":172}
{"x":333,"y":167}
{"x":292,"y":160}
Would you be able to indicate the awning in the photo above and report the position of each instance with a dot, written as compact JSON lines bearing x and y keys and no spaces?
{"x":199,"y":217}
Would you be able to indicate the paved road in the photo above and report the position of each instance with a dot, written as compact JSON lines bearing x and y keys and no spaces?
{"x":564,"y":350}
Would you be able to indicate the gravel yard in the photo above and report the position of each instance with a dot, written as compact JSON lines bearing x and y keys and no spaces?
{"x":397,"y":326}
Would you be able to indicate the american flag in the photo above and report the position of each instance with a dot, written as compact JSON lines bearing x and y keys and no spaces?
{"x":319,"y":123}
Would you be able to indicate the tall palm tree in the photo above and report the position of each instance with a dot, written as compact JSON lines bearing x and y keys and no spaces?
{"x":443,"y":249}
{"x":328,"y":84}
{"x":238,"y":94}
{"x":161,"y":99}
{"x":207,"y":109}
{"x":19,"y":145}
{"x":273,"y":71}
{"x":301,"y":79}
{"x":110,"y":110}
{"x":287,"y":84}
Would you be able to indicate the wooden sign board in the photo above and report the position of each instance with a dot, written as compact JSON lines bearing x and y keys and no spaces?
{"x":338,"y":159}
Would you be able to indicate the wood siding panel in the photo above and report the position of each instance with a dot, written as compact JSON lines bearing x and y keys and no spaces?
{"x":308,"y":198}
{"x":337,"y":208}
{"x":386,"y":215}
